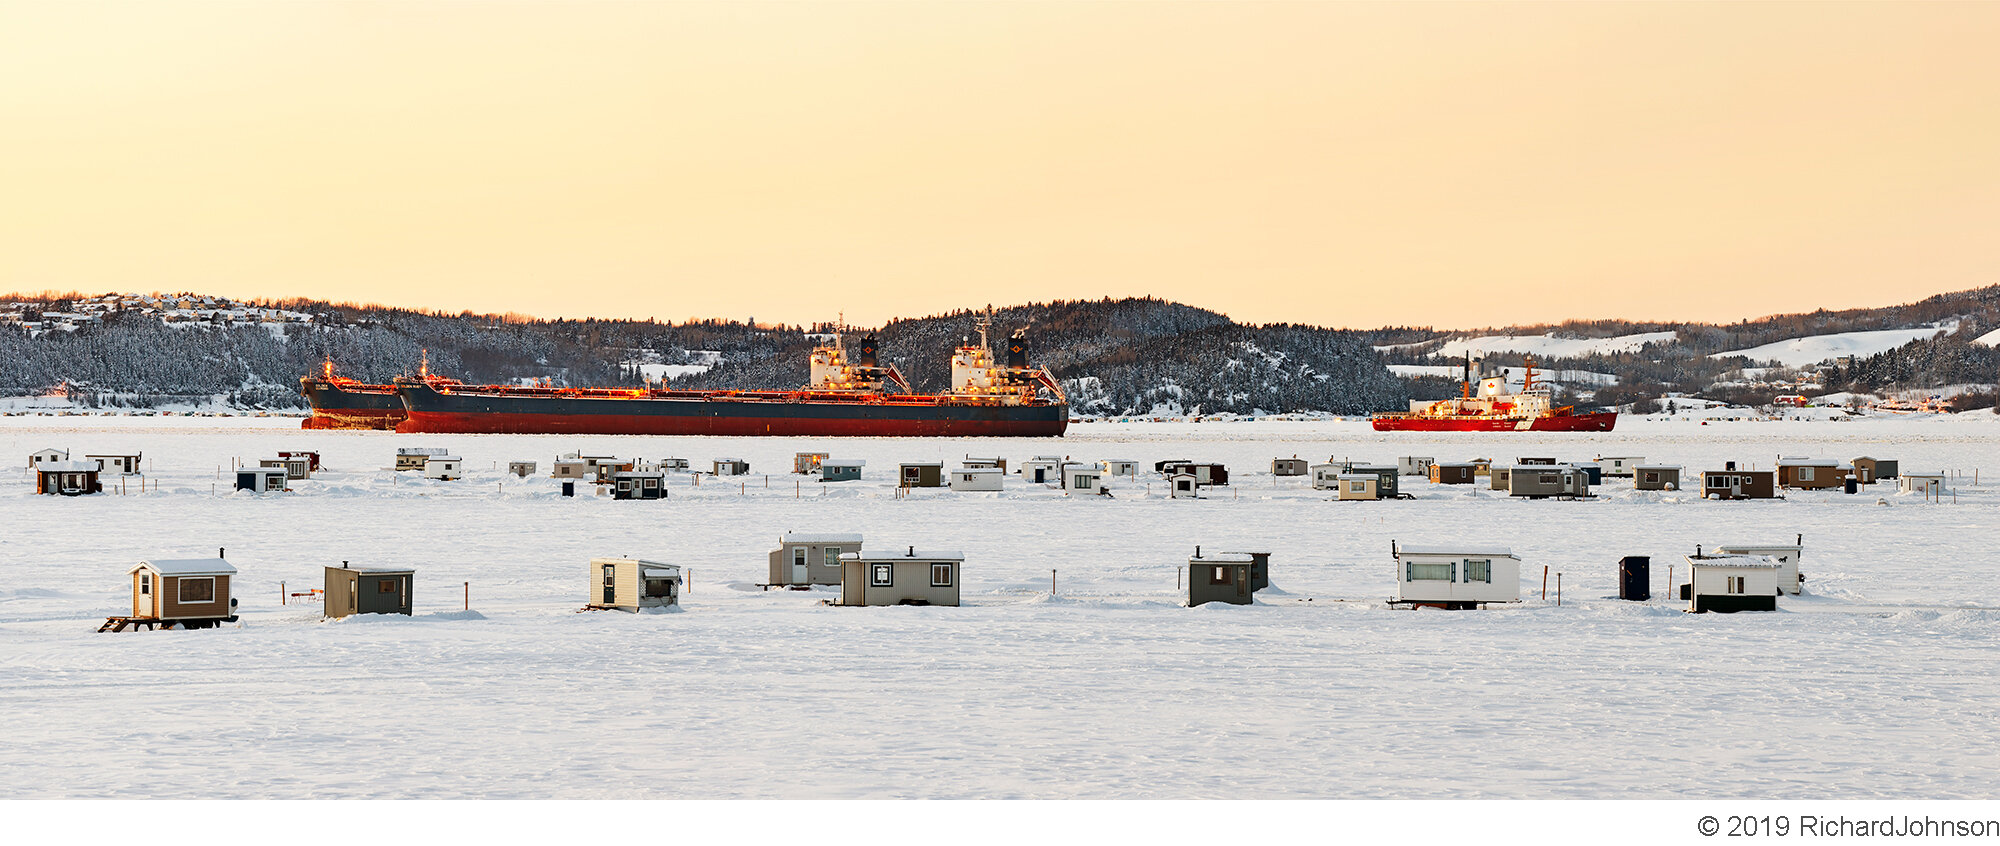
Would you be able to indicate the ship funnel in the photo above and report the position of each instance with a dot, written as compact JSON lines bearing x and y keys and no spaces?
{"x":1017,"y":350}
{"x":865,"y":355}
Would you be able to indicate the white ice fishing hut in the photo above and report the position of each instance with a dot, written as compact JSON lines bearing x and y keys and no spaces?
{"x":521,"y":469}
{"x":731,"y":467}
{"x":444,"y":467}
{"x":1414,"y":465}
{"x":977,"y":478}
{"x":1620,"y":465}
{"x":1456,"y":577}
{"x":1183,"y":486}
{"x":629,"y":584}
{"x":1078,"y":477}
{"x":1326,"y":477}
{"x":907,"y":576}
{"x":45,"y":456}
{"x":1929,"y":484}
{"x":295,"y":466}
{"x":1730,"y":583}
{"x":414,"y":458}
{"x":261,"y":479}
{"x":120,"y":463}
{"x":192,"y":591}
{"x":1115,"y":467}
{"x":1790,"y":580}
{"x":1041,"y":470}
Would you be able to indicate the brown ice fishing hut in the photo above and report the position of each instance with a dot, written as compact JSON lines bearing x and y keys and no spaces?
{"x":354,"y":589}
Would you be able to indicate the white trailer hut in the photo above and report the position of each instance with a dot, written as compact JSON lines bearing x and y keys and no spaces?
{"x":810,"y":558}
{"x":119,"y":463}
{"x":1042,"y":469}
{"x":1414,"y":465}
{"x":1620,"y":465}
{"x":1456,"y":577}
{"x":45,"y":456}
{"x":1115,"y":467}
{"x":191,"y":592}
{"x":1326,"y":477}
{"x":731,"y":467}
{"x":977,"y":478}
{"x":1787,"y":555}
{"x":1730,"y":583}
{"x":674,"y":465}
{"x":261,"y":479}
{"x":1921,"y":482}
{"x":413,"y":458}
{"x":900,"y":577}
{"x":523,"y":469}
{"x":1293,"y":466}
{"x":1078,"y":477}
{"x":629,"y":584}
{"x":1365,"y":487}
{"x":444,"y":467}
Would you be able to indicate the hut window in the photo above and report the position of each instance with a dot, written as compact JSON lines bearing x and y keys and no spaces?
{"x":832,"y":556}
{"x":197,"y":589}
{"x":659,"y":587}
{"x":1357,"y":487}
{"x":385,"y":586}
{"x":799,"y":556}
{"x":1718,"y":482}
{"x":610,"y":575}
{"x":1805,"y":474}
{"x":146,"y":583}
{"x":1652,"y":478}
{"x":1479,"y":571}
{"x":940,"y":575}
{"x":1219,"y":576}
{"x":882,"y":575}
{"x":1735,"y":584}
{"x":1416,"y":572}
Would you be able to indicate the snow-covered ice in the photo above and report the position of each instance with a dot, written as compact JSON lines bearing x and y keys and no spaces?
{"x":1876,"y":683}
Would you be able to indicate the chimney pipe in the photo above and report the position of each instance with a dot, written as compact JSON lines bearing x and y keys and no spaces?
{"x":219,"y":551}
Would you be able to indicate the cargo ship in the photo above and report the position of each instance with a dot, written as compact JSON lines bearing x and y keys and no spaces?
{"x":843,"y":398}
{"x":1493,"y":409}
{"x":342,"y":403}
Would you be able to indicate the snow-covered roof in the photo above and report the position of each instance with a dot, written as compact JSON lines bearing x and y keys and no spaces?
{"x":1457,"y":551}
{"x":993,"y":470}
{"x":1808,"y":462}
{"x":1359,"y":477}
{"x":905,"y":554}
{"x":377,"y":571}
{"x":1657,"y":466}
{"x":1747,"y":548}
{"x":1761,"y":562}
{"x":1920,"y":474}
{"x":68,"y":467}
{"x":843,"y":462}
{"x":923,"y":464}
{"x":185,"y":567}
{"x":421,"y":451}
{"x":1222,"y":558}
{"x":818,"y":537}
{"x":444,"y":458}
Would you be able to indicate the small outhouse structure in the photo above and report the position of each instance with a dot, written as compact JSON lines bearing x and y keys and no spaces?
{"x":1414,"y":465}
{"x":1294,"y":466}
{"x":1620,"y":465}
{"x":1656,"y":477}
{"x":840,"y":469}
{"x":1325,"y":477}
{"x":295,"y":467}
{"x":1220,"y":577}
{"x":444,"y":467}
{"x":1926,"y":483}
{"x":1811,"y":473}
{"x":1739,"y":484}
{"x":810,"y":558}
{"x":807,"y":462}
{"x":1787,"y":555}
{"x":1536,"y":482}
{"x":1867,"y":470}
{"x":906,"y":577}
{"x":261,"y":479}
{"x":1115,"y":467}
{"x":977,"y":463}
{"x":731,"y":467}
{"x":192,"y":593}
{"x":977,"y":478}
{"x":118,"y":463}
{"x":1042,"y":469}
{"x":1364,"y":487}
{"x":639,"y":484}
{"x":1454,"y":473}
{"x":413,"y":458}
{"x":67,"y":478}
{"x":1455,"y":578}
{"x":1078,"y":477}
{"x":1183,"y":486}
{"x":522,"y":469}
{"x":352,"y":589}
{"x":629,"y":584}
{"x":46,"y":456}
{"x":1730,"y":583}
{"x":921,"y":474}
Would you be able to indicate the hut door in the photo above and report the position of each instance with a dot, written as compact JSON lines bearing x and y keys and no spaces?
{"x":1242,"y":580}
{"x":799,"y":574}
{"x":353,"y":594}
{"x":610,"y":585}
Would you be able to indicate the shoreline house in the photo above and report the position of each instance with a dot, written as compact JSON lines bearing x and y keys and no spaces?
{"x":630,"y":584}
{"x":193,"y":593}
{"x":900,"y":577}
{"x":68,"y":478}
{"x":354,"y":590}
{"x":1455,"y":577}
{"x":809,"y":558}
{"x":1730,"y":583}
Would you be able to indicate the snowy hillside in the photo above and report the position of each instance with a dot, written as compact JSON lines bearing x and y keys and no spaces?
{"x":1549,"y":346}
{"x":1800,"y":352}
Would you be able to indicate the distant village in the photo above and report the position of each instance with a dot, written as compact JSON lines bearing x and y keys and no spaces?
{"x":182,"y":309}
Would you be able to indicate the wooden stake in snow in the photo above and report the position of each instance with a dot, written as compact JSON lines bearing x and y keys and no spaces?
{"x":468,"y":596}
{"x":1545,"y":582}
{"x":1052,"y":583}
{"x":1559,"y":590}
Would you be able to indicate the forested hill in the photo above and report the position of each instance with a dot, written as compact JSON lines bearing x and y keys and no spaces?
{"x":1115,"y":356}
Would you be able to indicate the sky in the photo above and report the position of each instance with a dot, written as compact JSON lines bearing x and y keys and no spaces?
{"x":1339,"y":164}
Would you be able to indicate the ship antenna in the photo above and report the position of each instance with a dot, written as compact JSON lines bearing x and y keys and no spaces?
{"x":424,"y":365}
{"x":984,"y":321}
{"x":839,"y":329}
{"x":1528,"y":381}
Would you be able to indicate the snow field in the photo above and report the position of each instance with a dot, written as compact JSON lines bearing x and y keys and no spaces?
{"x":1108,"y":689}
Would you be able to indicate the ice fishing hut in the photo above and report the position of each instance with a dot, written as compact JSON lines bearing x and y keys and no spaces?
{"x":807,"y":558}
{"x":639,"y":484}
{"x":1455,"y":578}
{"x":1078,"y":476}
{"x":522,"y":469}
{"x":1165,"y":467}
{"x":444,"y":467}
{"x":1414,"y":465}
{"x":1593,"y":473}
{"x":1656,"y":477}
{"x":1388,"y":479}
{"x":413,"y":458}
{"x":1220,"y":577}
{"x":1454,"y":473}
{"x":1363,"y":487}
{"x":1115,"y":467}
{"x":1205,"y":474}
{"x":673,"y":465}
{"x":295,"y":466}
{"x":977,"y":478}
{"x":1042,"y":469}
{"x":1325,"y":477}
{"x":261,"y":479}
{"x":807,"y":462}
{"x":1183,"y":486}
{"x":192,"y":593}
{"x":67,"y":478}
{"x":1867,"y":470}
{"x":907,"y":577}
{"x":367,"y":590}
{"x":1294,"y":466}
{"x":572,"y":469}
{"x":1810,"y":473}
{"x":1535,"y":460}
{"x":731,"y":467}
{"x":1739,"y":484}
{"x":1260,"y":567}
{"x":1620,"y":465}
{"x":46,"y":456}
{"x":1787,"y":555}
{"x":978,"y":463}
{"x":1926,"y":483}
{"x":629,"y":584}
{"x":921,"y":474}
{"x":841,"y":469}
{"x":311,"y":457}
{"x":1536,"y":482}
{"x":118,"y":463}
{"x":1730,"y":583}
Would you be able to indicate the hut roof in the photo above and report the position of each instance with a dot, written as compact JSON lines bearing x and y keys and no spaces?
{"x":1481,"y":551}
{"x":186,"y":567}
{"x":905,"y":554}
{"x":377,"y":571}
{"x":1761,"y":562}
{"x":818,"y":537}
{"x":67,"y":467}
{"x":1223,"y":558}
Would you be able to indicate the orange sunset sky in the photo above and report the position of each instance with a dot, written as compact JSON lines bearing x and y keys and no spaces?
{"x":1344,"y":164}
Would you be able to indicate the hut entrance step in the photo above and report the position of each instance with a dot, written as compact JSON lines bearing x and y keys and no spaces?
{"x":118,"y":624}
